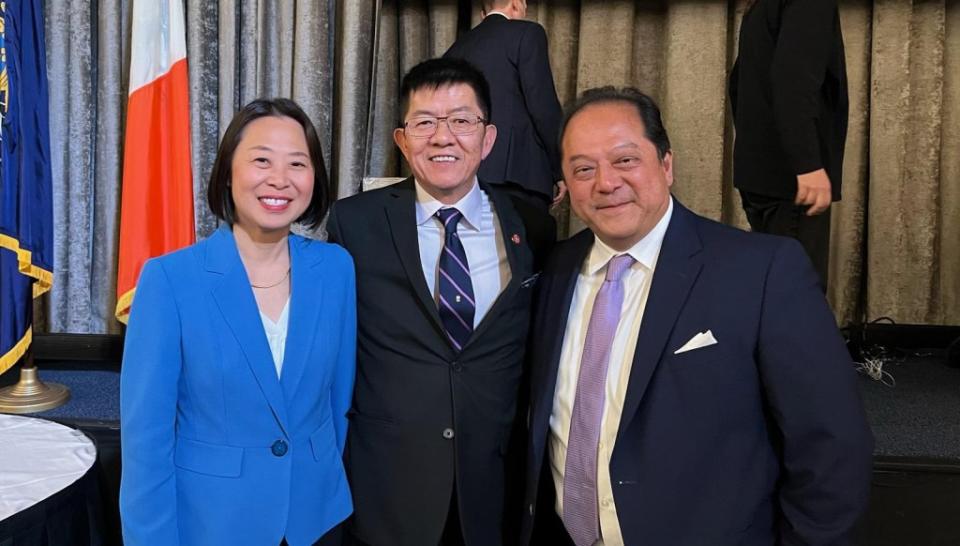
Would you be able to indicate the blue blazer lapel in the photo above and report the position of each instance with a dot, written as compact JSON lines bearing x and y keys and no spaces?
{"x":235,"y":300}
{"x":677,"y":269}
{"x":306,"y":302}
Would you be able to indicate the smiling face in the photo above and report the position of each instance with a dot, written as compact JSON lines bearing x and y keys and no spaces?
{"x":272,"y":176}
{"x":445,"y":164}
{"x":618,"y":186}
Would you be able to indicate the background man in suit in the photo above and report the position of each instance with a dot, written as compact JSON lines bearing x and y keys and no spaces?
{"x":788,"y":92}
{"x":445,"y":269}
{"x":689,"y":386}
{"x":512,"y":54}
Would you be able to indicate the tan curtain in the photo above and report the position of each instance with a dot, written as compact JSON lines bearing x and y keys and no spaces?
{"x":895,"y":235}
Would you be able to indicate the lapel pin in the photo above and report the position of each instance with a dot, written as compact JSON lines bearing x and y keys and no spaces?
{"x":515,"y":238}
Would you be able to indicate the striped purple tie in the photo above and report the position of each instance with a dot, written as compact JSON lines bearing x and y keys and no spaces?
{"x":455,"y":301}
{"x":580,"y":511}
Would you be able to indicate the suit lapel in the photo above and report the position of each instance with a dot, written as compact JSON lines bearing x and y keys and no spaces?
{"x":557,"y":296}
{"x":518,"y":255}
{"x":238,"y":307}
{"x":401,"y":215}
{"x":306,"y":302}
{"x":677,"y":268}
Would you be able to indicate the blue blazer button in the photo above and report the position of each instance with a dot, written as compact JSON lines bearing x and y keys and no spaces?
{"x":279,"y":448}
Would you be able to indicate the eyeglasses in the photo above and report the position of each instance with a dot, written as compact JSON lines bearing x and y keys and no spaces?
{"x":459,"y":124}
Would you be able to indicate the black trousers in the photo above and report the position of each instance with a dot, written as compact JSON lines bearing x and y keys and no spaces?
{"x":777,"y":216}
{"x":452,"y":532}
{"x":333,"y":537}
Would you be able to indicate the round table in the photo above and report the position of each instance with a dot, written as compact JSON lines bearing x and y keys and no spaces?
{"x":48,"y":490}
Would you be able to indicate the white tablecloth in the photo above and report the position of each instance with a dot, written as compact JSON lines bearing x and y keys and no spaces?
{"x":37,"y":459}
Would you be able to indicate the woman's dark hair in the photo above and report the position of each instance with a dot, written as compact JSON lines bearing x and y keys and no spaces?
{"x":219,"y":197}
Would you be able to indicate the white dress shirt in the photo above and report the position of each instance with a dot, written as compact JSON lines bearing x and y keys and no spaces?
{"x":277,"y":335}
{"x":636,"y":287}
{"x":479,"y":232}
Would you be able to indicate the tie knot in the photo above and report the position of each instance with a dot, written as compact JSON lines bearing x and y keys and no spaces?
{"x":617,"y":266}
{"x":449,"y":217}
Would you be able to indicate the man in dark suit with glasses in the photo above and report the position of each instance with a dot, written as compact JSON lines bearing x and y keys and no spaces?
{"x":446,"y":265}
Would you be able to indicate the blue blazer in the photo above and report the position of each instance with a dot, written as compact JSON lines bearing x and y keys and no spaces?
{"x":760,"y":439}
{"x":216,"y":449}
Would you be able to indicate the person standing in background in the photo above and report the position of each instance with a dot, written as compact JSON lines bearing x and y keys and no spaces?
{"x":788,"y":93}
{"x":513,"y":56}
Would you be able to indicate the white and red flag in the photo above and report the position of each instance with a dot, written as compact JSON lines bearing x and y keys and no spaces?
{"x":156,"y":212}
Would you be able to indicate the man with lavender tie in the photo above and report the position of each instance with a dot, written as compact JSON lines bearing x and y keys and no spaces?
{"x":445,"y":266}
{"x":689,"y":385}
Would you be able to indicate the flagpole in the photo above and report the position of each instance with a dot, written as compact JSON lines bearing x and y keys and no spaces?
{"x":30,"y":395}
{"x":26,"y":237}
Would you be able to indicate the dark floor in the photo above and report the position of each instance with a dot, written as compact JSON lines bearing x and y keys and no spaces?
{"x":94,"y":395}
{"x":919,"y":415}
{"x":914,"y":414}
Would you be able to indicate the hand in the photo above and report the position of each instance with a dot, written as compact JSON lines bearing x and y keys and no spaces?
{"x":813,"y":189}
{"x":560,"y":189}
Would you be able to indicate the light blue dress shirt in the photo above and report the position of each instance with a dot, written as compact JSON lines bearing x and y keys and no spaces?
{"x":479,"y":232}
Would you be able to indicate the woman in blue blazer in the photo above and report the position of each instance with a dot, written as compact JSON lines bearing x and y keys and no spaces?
{"x":239,"y":358}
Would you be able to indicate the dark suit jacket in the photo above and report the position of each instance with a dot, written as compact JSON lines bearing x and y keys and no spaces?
{"x":788,"y":92}
{"x":758,"y":440}
{"x":413,"y":390}
{"x":512,"y":54}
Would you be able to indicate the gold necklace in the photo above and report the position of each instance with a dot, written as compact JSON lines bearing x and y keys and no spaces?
{"x":285,"y":275}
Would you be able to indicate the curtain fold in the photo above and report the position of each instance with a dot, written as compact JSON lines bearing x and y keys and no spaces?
{"x":87,"y":44}
{"x":895,"y":242}
{"x":905,"y":127}
{"x":352,"y":82}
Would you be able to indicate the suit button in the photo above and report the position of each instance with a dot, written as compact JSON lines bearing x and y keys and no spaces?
{"x":279,"y":448}
{"x":448,"y":434}
{"x":531,"y":508}
{"x":457,"y":366}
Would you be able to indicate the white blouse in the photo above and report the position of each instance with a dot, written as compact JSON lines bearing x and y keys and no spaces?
{"x":277,"y":334}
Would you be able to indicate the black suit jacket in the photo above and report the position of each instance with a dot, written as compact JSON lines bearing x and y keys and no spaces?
{"x":788,"y":92}
{"x":757,"y":440}
{"x":425,"y":418}
{"x":513,"y":56}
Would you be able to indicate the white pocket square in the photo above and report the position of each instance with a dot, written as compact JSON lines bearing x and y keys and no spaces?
{"x":699,"y":341}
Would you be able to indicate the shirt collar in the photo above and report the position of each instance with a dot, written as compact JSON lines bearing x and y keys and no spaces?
{"x":645,"y":251}
{"x":500,"y":13}
{"x":470,"y":206}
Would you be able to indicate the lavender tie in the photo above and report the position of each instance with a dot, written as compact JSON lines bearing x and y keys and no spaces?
{"x":580,"y":512}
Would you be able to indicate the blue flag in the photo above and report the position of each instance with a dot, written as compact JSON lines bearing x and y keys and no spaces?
{"x":26,"y":210}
